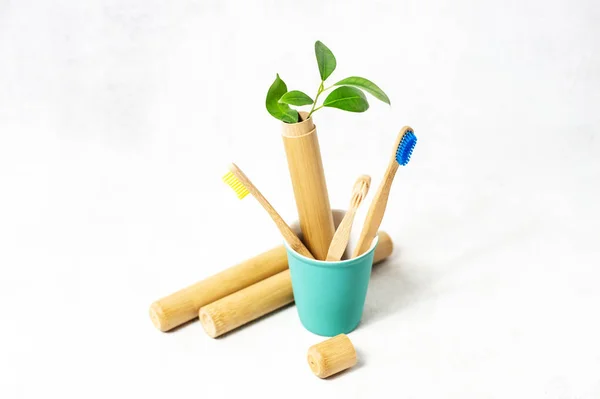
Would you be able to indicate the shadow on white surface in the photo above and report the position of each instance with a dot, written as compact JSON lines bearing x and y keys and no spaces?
{"x":398,"y":282}
{"x":390,"y":291}
{"x":181,"y":326}
{"x":360,"y":363}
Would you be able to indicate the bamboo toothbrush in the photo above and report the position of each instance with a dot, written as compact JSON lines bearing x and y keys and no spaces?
{"x":403,"y":148}
{"x":342,"y":234}
{"x":242,"y":186}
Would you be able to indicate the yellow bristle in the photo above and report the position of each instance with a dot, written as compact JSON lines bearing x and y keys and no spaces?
{"x":240,"y":190}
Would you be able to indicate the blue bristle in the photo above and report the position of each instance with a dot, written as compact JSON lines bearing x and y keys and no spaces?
{"x":406,"y":147}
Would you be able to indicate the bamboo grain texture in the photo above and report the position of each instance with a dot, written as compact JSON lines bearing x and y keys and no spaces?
{"x":246,"y":305}
{"x":331,"y":356}
{"x":183,"y":305}
{"x":310,"y":187}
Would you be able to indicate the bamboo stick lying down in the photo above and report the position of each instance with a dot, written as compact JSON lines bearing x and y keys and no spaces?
{"x":182,"y":306}
{"x":261,"y":298}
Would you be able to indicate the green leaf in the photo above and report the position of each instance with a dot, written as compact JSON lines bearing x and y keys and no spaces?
{"x":347,"y":98}
{"x":295,"y":97}
{"x":366,"y":85}
{"x":325,"y":60}
{"x":280,"y":111}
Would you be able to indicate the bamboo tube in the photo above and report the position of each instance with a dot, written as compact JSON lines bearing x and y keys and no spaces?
{"x":246,"y":305}
{"x":331,"y":356}
{"x":259,"y":299}
{"x":182,"y":306}
{"x":310,"y":188}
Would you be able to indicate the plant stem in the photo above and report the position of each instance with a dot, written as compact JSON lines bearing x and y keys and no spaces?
{"x":321,"y":90}
{"x":316,"y":98}
{"x":318,"y":108}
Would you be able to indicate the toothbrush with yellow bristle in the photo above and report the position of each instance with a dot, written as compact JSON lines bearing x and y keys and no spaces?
{"x":242,"y":186}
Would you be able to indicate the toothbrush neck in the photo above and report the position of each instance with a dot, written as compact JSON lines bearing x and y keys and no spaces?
{"x":391,"y":170}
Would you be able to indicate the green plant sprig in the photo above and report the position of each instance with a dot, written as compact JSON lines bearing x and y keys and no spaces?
{"x":348,"y":94}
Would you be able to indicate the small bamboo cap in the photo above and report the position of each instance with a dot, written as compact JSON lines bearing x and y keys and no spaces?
{"x":331,"y":356}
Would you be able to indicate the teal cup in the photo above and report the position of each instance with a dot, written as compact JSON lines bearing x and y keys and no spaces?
{"x":330,"y":296}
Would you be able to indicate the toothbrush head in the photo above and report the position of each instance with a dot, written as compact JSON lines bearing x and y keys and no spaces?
{"x":406,"y":146}
{"x":232,"y":181}
{"x":360,"y":190}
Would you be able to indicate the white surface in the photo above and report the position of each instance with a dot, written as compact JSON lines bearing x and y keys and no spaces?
{"x":118,"y":118}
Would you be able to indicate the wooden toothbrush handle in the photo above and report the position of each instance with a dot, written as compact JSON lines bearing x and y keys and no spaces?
{"x":290,"y":237}
{"x":288,"y":234}
{"x":341,"y":237}
{"x":376,"y":211}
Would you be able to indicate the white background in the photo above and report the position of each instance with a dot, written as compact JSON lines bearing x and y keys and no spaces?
{"x":118,"y":119}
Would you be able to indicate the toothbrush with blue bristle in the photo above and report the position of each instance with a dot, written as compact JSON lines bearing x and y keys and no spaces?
{"x":403,"y":148}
